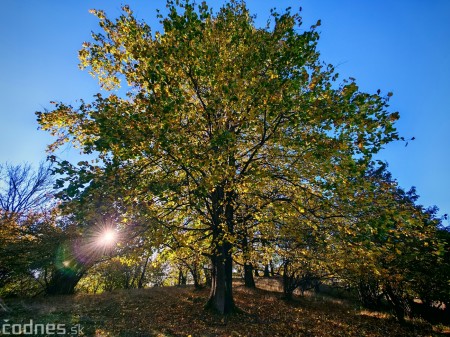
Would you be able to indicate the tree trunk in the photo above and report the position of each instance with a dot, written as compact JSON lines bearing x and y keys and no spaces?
{"x":249,"y":281}
{"x":208,"y":279}
{"x":266,"y":271}
{"x":368,"y":291}
{"x":142,"y":277}
{"x":272,"y":271}
{"x":221,"y":295}
{"x":399,"y":304}
{"x":197,"y":284}
{"x":287,"y":289}
{"x":288,"y":282}
{"x":63,"y":282}
{"x":182,"y":279}
{"x":194,"y":270}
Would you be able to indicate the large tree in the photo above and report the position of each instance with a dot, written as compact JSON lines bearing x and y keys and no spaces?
{"x":219,"y":115}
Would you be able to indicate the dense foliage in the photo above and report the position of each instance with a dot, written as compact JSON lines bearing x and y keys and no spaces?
{"x":234,"y":151}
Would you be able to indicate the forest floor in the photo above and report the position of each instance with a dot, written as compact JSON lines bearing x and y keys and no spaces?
{"x":178,"y":311}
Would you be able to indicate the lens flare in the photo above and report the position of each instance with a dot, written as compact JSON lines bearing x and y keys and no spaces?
{"x":107,"y":238}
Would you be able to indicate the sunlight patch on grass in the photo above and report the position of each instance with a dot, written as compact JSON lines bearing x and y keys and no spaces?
{"x":102,"y":333}
{"x":442,"y":329}
{"x":375,"y":314}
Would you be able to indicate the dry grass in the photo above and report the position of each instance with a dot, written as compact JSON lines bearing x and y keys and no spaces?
{"x":176,"y":311}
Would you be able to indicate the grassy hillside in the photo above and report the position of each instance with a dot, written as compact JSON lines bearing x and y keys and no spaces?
{"x":177,"y":311}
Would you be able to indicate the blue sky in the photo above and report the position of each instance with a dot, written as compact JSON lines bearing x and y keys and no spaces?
{"x":401,"y":46}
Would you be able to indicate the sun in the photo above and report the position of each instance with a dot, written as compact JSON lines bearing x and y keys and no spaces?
{"x":107,"y":238}
{"x":102,"y":240}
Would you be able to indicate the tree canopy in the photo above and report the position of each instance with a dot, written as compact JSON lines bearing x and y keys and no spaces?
{"x":227,"y":131}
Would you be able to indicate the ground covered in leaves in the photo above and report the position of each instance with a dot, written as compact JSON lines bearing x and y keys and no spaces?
{"x":178,"y":311}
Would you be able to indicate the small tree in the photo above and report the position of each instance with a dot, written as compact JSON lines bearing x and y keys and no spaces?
{"x":390,"y":248}
{"x":27,"y":227}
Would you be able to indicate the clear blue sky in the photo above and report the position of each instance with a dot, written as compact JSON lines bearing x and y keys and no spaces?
{"x":401,"y":46}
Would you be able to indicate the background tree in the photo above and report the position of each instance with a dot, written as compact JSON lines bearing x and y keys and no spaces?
{"x":24,"y":191}
{"x":390,"y":245}
{"x":27,"y":227}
